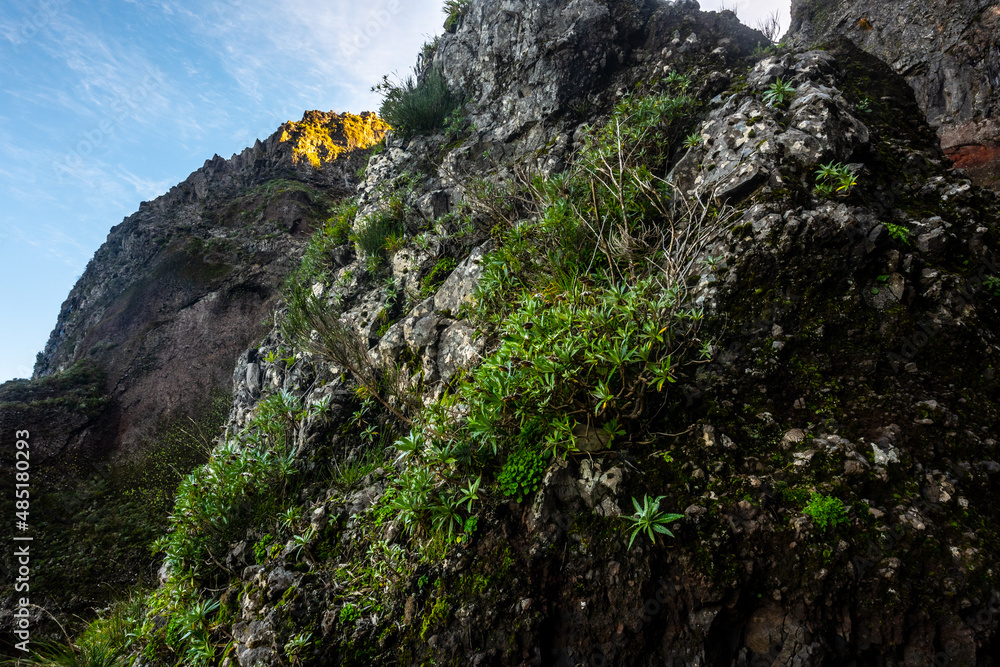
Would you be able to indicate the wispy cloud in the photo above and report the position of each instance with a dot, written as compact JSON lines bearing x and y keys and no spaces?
{"x":330,"y":52}
{"x":115,"y":78}
{"x":146,"y":188}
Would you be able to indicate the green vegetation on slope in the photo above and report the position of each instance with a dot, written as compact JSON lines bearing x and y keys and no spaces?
{"x":588,"y":298}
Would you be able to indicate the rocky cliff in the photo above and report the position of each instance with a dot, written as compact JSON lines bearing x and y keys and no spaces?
{"x":947,"y":52}
{"x":184,"y":284}
{"x":135,"y":378}
{"x":655,"y":351}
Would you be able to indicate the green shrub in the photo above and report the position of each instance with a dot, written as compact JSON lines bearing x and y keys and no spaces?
{"x":437,"y":275}
{"x":242,"y":487}
{"x":522,"y":473}
{"x":378,"y":232}
{"x":898,"y":232}
{"x":825,"y":511}
{"x":586,"y":294}
{"x":349,"y":613}
{"x":455,"y":9}
{"x":417,"y":107}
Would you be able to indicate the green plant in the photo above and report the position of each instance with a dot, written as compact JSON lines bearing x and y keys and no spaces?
{"x":315,"y":264}
{"x":455,"y":9}
{"x":291,"y":516}
{"x":102,"y":653}
{"x":779,"y":93}
{"x":825,"y":510}
{"x":106,"y":642}
{"x":835,"y":178}
{"x":898,"y":232}
{"x":419,"y":106}
{"x":586,"y":296}
{"x":342,"y":345}
{"x":301,"y":543}
{"x":678,"y":81}
{"x":693,"y":140}
{"x":428,"y":49}
{"x":296,"y":646}
{"x":378,"y":232}
{"x":468,"y":529}
{"x":321,"y":407}
{"x":992,"y":285}
{"x":262,"y":549}
{"x":522,"y":473}
{"x":348,"y":473}
{"x":648,"y":519}
{"x":437,"y":275}
{"x":422,"y":240}
{"x":824,"y":190}
{"x":349,"y":613}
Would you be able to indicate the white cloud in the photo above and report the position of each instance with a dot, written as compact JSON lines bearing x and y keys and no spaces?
{"x":329,"y":52}
{"x":116,"y":79}
{"x":751,"y":12}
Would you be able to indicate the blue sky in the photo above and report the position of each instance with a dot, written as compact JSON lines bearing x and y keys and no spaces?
{"x":106,"y":103}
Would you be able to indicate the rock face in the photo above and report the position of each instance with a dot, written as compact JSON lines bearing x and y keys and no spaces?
{"x":64,"y":411}
{"x":511,"y":62}
{"x":840,"y":320}
{"x":181,"y":286}
{"x":948,"y":53}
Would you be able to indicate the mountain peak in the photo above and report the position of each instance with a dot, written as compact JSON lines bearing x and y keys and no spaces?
{"x":323,"y":136}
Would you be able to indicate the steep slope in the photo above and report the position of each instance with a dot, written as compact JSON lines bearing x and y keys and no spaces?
{"x":948,"y":53}
{"x":831,"y":461}
{"x":182,"y":285}
{"x":135,"y":379}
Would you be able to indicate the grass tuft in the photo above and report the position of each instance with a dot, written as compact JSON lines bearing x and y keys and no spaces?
{"x":419,"y":106}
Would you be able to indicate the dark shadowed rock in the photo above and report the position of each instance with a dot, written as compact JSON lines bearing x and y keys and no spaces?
{"x":947,"y":51}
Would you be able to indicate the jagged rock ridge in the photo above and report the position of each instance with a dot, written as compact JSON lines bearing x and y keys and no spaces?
{"x":182,"y":285}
